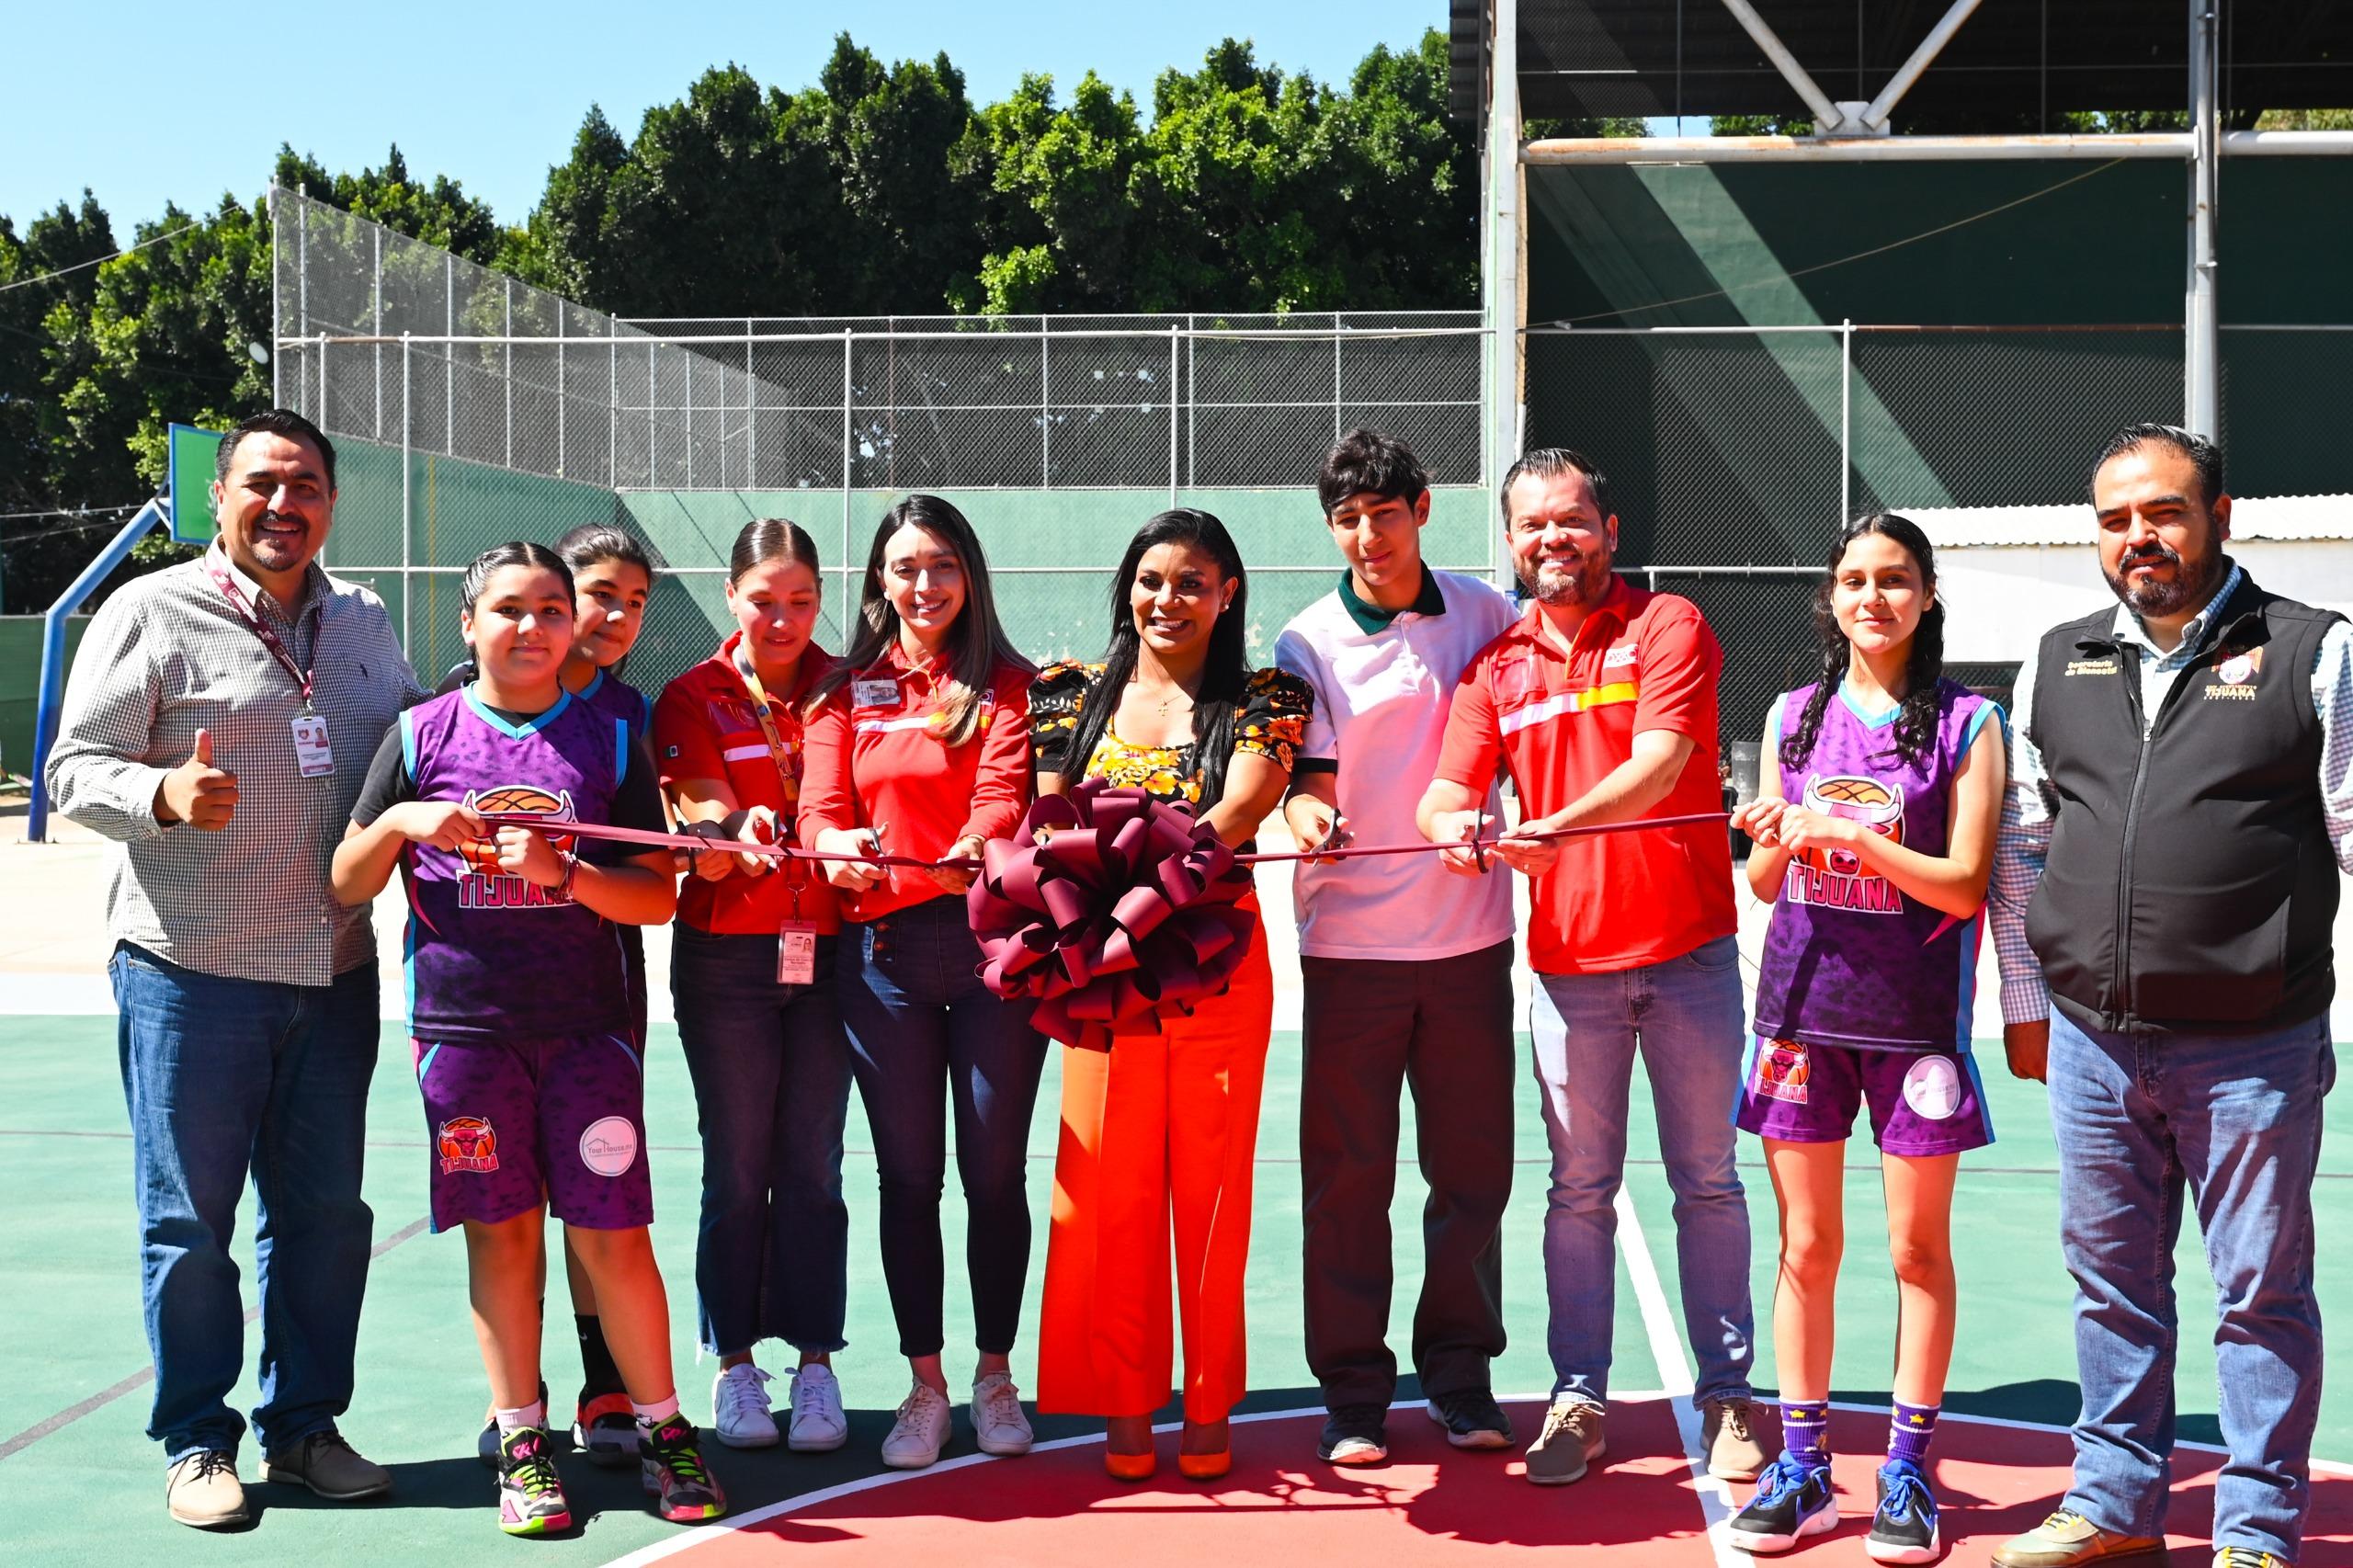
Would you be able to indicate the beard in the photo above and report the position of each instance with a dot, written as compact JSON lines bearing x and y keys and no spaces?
{"x":1585,"y":580}
{"x":2189,"y":587}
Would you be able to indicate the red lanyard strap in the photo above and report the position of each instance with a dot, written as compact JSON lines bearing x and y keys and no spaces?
{"x":253,"y":623}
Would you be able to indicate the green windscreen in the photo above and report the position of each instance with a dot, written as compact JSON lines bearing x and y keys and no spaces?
{"x":190,"y":481}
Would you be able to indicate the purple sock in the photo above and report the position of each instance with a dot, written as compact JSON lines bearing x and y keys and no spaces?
{"x":1805,"y":1431}
{"x":1910,"y":1428}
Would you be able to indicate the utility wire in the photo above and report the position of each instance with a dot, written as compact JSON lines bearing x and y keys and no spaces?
{"x":96,"y":261}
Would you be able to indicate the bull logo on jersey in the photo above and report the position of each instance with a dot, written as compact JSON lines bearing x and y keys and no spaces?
{"x":484,"y":884}
{"x":466,"y":1143}
{"x":1836,"y":878}
{"x":1783,"y":1071}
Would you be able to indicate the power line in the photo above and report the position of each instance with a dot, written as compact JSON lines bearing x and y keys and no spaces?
{"x":72,"y":512}
{"x":96,"y":261}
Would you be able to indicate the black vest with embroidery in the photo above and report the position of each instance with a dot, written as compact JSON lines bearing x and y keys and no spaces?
{"x":2191,"y":884}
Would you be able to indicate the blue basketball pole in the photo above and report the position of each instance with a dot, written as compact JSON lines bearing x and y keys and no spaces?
{"x":52,"y":653}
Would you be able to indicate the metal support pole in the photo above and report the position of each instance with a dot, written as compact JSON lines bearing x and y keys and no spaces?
{"x":376,"y":323}
{"x":507,"y":290}
{"x":751,"y":413}
{"x":48,"y":707}
{"x":2201,"y":369}
{"x":1045,"y":409}
{"x":686,"y":398}
{"x":1875,"y":117}
{"x":408,"y":527}
{"x":848,"y":609}
{"x":277,"y":302}
{"x":613,"y":400}
{"x":1172,"y":416}
{"x":561,"y":402}
{"x":1504,"y":342}
{"x":320,"y":418}
{"x":1192,"y":400}
{"x":450,"y":358}
{"x":1846,"y":421}
{"x":1335,"y":378}
{"x":1825,"y":113}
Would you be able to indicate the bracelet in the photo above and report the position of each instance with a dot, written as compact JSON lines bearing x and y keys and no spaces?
{"x":571,"y":868}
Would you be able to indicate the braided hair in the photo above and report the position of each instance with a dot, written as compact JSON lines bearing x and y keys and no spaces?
{"x":1915,"y":723}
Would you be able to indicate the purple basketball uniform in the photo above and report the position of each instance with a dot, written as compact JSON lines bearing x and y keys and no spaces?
{"x":516,"y":1123}
{"x":623,"y":702}
{"x":1865,"y":995}
{"x":490,"y":955}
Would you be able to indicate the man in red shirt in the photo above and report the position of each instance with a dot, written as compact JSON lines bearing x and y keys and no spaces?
{"x":1600,"y":702}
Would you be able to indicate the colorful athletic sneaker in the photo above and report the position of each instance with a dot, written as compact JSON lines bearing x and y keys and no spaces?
{"x":1792,"y":1501}
{"x":605,"y":1428}
{"x":531,"y":1494}
{"x":1904,"y":1528}
{"x":671,"y":1465}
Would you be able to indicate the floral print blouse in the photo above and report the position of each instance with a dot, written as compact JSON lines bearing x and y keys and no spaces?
{"x":1271,"y":722}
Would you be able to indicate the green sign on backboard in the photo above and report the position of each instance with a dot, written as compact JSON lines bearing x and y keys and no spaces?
{"x":189,"y":482}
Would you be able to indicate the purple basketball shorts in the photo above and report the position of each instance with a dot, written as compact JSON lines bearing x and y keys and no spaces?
{"x":514,"y":1123}
{"x":1922,"y":1102}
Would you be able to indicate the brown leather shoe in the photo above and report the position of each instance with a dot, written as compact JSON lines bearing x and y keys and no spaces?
{"x":203,"y":1490}
{"x":330,"y":1467}
{"x":2065,"y":1538}
{"x":1728,"y":1428}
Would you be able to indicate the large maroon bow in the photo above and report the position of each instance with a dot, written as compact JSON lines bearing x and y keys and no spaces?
{"x":1130,"y":907}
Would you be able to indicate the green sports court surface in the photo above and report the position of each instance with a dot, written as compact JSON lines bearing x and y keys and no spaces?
{"x":79,"y":1484}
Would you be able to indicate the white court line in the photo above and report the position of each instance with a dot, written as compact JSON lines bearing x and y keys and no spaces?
{"x":1716,"y":1503}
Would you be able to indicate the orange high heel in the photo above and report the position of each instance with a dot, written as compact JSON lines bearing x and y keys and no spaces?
{"x":1205,"y":1467}
{"x":1131,"y":1467}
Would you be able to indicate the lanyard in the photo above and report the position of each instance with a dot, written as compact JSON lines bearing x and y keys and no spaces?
{"x":253,"y":623}
{"x":778,"y":753}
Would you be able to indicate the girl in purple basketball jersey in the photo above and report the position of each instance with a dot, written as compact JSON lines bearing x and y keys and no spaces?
{"x":526,"y":1052}
{"x":1874,"y":826}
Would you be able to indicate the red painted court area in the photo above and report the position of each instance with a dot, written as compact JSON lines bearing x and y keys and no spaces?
{"x":1429,"y":1504}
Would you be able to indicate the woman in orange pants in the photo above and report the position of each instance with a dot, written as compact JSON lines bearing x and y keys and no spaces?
{"x":1159,"y":1133}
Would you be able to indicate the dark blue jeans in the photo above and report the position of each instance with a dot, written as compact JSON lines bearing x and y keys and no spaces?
{"x":2232,"y":1124}
{"x":924,"y":1033}
{"x":771,"y":1073}
{"x":223,"y":1078}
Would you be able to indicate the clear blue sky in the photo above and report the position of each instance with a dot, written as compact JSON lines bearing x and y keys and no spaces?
{"x":144,"y":102}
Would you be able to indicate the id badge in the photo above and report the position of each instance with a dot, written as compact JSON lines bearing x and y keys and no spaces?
{"x":796,"y":953}
{"x":312,"y":753}
{"x":874,"y":693}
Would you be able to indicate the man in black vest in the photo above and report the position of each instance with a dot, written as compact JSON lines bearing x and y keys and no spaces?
{"x":2164,"y":890}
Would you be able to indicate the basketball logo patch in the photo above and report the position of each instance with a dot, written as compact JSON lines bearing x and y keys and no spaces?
{"x":1782,"y":1070}
{"x":609,"y":1146}
{"x":1932,"y":1088}
{"x":466,"y":1143}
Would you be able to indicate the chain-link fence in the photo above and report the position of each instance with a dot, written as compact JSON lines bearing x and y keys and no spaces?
{"x":471,"y":409}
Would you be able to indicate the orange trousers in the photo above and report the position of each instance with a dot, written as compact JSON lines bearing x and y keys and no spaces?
{"x":1158,"y":1138}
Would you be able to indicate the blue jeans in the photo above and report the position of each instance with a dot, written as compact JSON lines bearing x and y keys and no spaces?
{"x":1686,"y":1017}
{"x":225,"y":1077}
{"x":771,"y":1073}
{"x":2237,"y":1119}
{"x":924,"y":1033}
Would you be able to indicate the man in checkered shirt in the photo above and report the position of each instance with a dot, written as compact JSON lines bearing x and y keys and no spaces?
{"x":2165,"y":885}
{"x":217,"y":726}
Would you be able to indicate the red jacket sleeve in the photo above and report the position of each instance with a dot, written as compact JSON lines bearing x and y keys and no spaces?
{"x":827,"y":797}
{"x":1474,"y":744}
{"x":684,"y":745}
{"x":1680,"y":662}
{"x":1001,"y":789}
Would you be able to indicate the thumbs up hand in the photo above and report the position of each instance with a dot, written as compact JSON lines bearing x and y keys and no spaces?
{"x":196,"y":792}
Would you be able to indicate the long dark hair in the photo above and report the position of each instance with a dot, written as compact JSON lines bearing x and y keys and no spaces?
{"x":591,"y":542}
{"x":1225,"y":672}
{"x":976,"y":642}
{"x":1916,"y":721}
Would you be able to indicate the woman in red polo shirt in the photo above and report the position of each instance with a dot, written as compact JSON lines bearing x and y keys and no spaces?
{"x":752,"y":988}
{"x":919,"y":745}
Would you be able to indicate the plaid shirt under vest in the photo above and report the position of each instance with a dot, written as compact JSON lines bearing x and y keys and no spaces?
{"x":168,"y":655}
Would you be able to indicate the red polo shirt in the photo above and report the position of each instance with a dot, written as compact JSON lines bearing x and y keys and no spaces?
{"x":874,"y":756}
{"x":1560,"y":724}
{"x":704,"y":727}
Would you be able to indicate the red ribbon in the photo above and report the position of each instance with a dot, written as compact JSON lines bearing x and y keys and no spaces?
{"x":1130,"y":906}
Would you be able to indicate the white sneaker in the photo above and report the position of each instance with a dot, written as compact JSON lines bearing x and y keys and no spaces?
{"x":920,"y":1432}
{"x":817,"y":1425}
{"x":998,"y":1425}
{"x":739,"y":1408}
